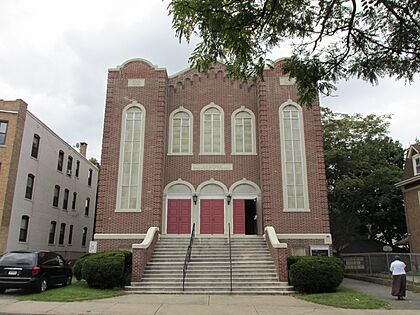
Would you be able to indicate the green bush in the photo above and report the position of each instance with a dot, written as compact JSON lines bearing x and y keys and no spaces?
{"x":77,"y":268}
{"x":104,"y":270}
{"x":316,"y":274}
{"x":294,"y":259}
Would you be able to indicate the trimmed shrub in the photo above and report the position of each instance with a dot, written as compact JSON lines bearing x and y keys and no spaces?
{"x":77,"y":268}
{"x":316,"y":274}
{"x":294,"y":259}
{"x":104,"y":270}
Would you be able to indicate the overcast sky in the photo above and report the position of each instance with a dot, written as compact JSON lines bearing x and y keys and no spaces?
{"x":55,"y":56}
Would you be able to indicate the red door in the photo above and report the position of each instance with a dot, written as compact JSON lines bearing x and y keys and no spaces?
{"x":238,"y":216}
{"x":212,"y":218}
{"x":179,"y":216}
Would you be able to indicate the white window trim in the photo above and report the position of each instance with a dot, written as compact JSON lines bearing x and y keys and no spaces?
{"x":190,"y":145}
{"x":283,"y":155}
{"x":413,"y":159}
{"x":253,"y":132}
{"x":222,"y":130}
{"x":120,"y":170}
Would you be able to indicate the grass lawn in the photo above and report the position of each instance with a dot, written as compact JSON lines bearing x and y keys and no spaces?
{"x":78,"y":291}
{"x":346,"y":298}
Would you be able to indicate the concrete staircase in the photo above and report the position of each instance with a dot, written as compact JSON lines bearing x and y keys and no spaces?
{"x":253,"y":271}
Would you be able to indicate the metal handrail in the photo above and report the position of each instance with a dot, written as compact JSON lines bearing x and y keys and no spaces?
{"x":187,"y":257}
{"x":230,"y":258}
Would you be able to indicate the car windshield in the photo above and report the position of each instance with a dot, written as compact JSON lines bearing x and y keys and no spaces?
{"x":18,"y":259}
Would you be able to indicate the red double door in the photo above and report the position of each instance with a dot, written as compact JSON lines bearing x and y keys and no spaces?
{"x":179,"y":216}
{"x":212,"y":216}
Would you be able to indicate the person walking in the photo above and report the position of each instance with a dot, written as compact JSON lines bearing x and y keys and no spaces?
{"x":397,"y":268}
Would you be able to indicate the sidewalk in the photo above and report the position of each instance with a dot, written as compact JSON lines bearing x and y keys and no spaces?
{"x":167,"y":304}
{"x":412,"y":301}
{"x":186,"y":304}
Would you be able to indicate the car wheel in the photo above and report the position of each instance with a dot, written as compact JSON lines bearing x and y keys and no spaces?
{"x":68,"y":281}
{"x":42,"y":286}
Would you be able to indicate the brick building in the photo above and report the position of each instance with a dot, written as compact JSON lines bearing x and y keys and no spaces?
{"x":199,"y":148}
{"x":47,"y":188}
{"x":410,"y":185}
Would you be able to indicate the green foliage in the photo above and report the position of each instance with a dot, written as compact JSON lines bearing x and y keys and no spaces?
{"x":362,"y":166}
{"x":291,"y":260}
{"x":331,"y":40}
{"x":104,"y":270}
{"x":77,"y":268}
{"x":316,"y":274}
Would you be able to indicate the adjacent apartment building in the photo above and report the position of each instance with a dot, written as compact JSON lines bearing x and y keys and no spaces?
{"x":47,"y":188}
{"x":410,"y":185}
{"x":200,"y":148}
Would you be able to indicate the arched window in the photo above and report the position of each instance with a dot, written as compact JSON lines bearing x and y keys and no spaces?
{"x":295,"y":191}
{"x":70,"y":235}
{"x":212,"y":130}
{"x":24,"y":225}
{"x":35,"y":146}
{"x":56,"y":196}
{"x":60,"y":161}
{"x":66,"y":199}
{"x":62,"y":233}
{"x":243,"y":132}
{"x":181,"y":137}
{"x":87,"y":206}
{"x":84,"y":236}
{"x":51,"y":236}
{"x":131,"y":159}
{"x":29,"y":186}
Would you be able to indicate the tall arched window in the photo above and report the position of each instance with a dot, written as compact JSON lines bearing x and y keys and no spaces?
{"x":212,"y":130}
{"x":51,"y":235}
{"x":35,"y":146}
{"x":24,"y":225}
{"x":180,"y":140}
{"x":131,"y":158}
{"x":243,"y":132}
{"x":295,"y":188}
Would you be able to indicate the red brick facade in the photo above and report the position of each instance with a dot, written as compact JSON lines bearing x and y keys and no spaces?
{"x":160,"y":96}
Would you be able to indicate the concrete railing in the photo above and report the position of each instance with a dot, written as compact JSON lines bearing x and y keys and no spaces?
{"x":143,"y":252}
{"x":278,"y":252}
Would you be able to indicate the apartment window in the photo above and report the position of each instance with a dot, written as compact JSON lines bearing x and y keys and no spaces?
{"x":416,"y":164}
{"x":66,"y":199}
{"x":69,"y":165}
{"x":77,"y":168}
{"x":293,"y":158}
{"x":24,"y":225}
{"x":84,"y":236}
{"x":243,"y":132}
{"x":71,"y":234}
{"x":181,"y":132}
{"x":56,"y":195}
{"x":62,"y":233}
{"x":35,"y":146}
{"x":212,"y":130}
{"x":51,"y":236}
{"x":73,"y":203}
{"x":60,"y":161}
{"x":87,"y":206}
{"x":29,"y":186}
{"x":90,"y":174}
{"x":3,"y":132}
{"x":131,"y":157}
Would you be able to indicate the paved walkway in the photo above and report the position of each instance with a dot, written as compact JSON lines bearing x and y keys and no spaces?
{"x":161,"y":304}
{"x":412,"y":301}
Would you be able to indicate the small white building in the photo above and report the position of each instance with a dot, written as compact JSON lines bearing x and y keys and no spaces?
{"x":54,"y":196}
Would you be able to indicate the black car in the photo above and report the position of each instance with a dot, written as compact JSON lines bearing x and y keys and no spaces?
{"x":33,"y":269}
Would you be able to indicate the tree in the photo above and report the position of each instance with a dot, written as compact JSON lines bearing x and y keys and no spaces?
{"x":362,"y":166}
{"x":331,"y":39}
{"x":95,"y":162}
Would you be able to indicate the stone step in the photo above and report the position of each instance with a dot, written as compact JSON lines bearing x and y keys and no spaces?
{"x":190,"y":275}
{"x":136,"y":290}
{"x":212,"y":284}
{"x":201,"y":279}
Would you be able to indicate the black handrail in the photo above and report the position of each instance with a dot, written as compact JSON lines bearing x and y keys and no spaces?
{"x":230,"y":258}
{"x":187,"y":257}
